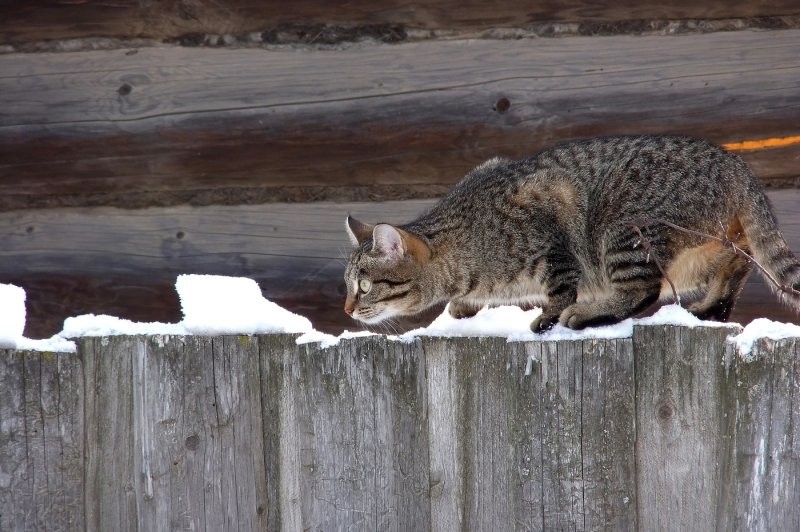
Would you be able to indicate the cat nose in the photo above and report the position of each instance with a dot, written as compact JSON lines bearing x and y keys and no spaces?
{"x":348,"y":311}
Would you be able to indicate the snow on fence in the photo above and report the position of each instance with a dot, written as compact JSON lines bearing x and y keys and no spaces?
{"x":668,"y":429}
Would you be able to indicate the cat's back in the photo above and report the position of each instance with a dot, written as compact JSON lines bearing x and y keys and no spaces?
{"x":595,"y":158}
{"x":600,"y":179}
{"x":632,"y":158}
{"x":655,"y":174}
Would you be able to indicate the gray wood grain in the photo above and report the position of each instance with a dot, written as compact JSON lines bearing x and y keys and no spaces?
{"x":41,"y":441}
{"x":173,"y":440}
{"x":765,"y":457}
{"x":351,"y":436}
{"x":518,"y":420}
{"x":608,"y":435}
{"x":668,"y":430}
{"x":561,"y":446}
{"x":445,"y":435}
{"x":224,"y":126}
{"x":304,"y":20}
{"x":680,"y":422}
{"x":110,"y":473}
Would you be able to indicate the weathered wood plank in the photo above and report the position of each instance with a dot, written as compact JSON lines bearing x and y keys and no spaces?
{"x":352,"y":439}
{"x":111,"y":475}
{"x":46,"y":19}
{"x":402,"y":472}
{"x":515,"y":419}
{"x":41,"y":441}
{"x":668,"y":430}
{"x":765,"y":458}
{"x":562,"y":486}
{"x":608,"y":434}
{"x":124,"y":263}
{"x":446,"y":445}
{"x":174,"y":125}
{"x":171,"y":439}
{"x":680,"y":424}
{"x":525,"y":402}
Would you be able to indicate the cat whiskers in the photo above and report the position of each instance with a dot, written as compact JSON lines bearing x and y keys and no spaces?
{"x":391,"y":327}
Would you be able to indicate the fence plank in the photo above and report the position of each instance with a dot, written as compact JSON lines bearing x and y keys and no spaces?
{"x":680,"y":420}
{"x":445,"y":421}
{"x":509,"y":418}
{"x":173,"y":439}
{"x":402,"y":472}
{"x":561,"y":446}
{"x":110,"y":454}
{"x":525,"y":401}
{"x":667,"y":430}
{"x":608,"y":435}
{"x":766,"y":458}
{"x":353,"y":438}
{"x":41,"y":441}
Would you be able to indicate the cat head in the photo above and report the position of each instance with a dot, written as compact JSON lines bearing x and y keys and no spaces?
{"x":385,"y":273}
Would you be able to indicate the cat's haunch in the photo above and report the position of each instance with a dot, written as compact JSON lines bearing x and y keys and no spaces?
{"x":593,"y":231}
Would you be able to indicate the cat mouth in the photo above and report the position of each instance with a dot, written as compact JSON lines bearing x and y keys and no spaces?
{"x":371,"y":317}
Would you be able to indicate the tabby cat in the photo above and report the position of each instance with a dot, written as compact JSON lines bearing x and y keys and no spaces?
{"x":578,"y":229}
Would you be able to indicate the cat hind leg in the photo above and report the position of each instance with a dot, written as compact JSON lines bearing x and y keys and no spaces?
{"x":730,"y":274}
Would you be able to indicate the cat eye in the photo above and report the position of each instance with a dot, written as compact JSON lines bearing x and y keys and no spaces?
{"x":365,"y":285}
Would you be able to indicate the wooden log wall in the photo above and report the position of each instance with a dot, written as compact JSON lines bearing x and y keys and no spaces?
{"x":187,"y":21}
{"x":669,"y":429}
{"x":124,"y":262}
{"x":231,"y":120}
{"x":175,"y":125}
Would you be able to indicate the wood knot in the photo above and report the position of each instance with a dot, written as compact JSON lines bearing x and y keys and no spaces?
{"x":193,"y":442}
{"x":124,"y":89}
{"x":665,"y":411}
{"x":502,"y":105}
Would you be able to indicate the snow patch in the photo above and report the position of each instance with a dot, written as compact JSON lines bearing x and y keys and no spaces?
{"x":329,"y":340}
{"x":513,"y":323}
{"x":54,"y":344}
{"x":103,"y":325}
{"x":12,"y":315}
{"x":677,"y":315}
{"x":762,"y":328}
{"x":214,"y":304}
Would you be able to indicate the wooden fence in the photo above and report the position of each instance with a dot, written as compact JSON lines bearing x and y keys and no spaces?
{"x":667,"y":430}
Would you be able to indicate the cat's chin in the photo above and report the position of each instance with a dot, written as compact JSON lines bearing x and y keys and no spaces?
{"x":378,"y":318}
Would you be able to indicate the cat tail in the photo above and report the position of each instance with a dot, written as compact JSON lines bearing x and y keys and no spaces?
{"x":770,"y":249}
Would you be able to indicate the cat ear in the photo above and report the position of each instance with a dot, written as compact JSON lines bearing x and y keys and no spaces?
{"x":395,"y":243}
{"x":388,"y":241}
{"x":357,"y":231}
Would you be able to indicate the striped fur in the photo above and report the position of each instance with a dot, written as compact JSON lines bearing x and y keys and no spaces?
{"x":556,"y":230}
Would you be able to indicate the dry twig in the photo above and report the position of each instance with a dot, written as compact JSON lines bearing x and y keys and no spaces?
{"x":725,"y":241}
{"x":648,"y":247}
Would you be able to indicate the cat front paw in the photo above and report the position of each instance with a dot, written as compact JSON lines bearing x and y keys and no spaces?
{"x":544,"y":322}
{"x":459,"y":309}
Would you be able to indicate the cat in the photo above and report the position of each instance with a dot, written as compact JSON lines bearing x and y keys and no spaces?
{"x":582,"y":230}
